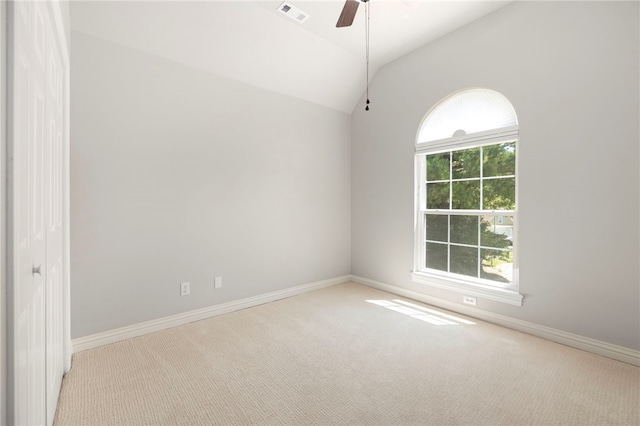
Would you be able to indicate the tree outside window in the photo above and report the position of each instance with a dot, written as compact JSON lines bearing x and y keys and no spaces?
{"x":469,"y":196}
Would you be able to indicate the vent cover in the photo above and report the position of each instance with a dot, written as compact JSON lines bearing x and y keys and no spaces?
{"x":293,"y":12}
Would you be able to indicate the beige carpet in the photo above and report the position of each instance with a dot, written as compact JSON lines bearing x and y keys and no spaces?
{"x":346,"y":355}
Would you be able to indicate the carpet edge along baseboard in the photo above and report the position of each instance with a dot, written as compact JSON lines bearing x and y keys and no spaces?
{"x":136,"y":330}
{"x":608,"y":350}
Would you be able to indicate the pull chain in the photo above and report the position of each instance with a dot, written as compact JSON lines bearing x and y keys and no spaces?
{"x":366,"y":29}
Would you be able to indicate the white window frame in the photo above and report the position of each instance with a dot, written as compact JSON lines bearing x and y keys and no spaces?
{"x":469,"y":286}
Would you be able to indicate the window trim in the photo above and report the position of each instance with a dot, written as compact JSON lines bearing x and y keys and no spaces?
{"x":446,"y":280}
{"x":498,"y":294}
{"x":471,"y":140}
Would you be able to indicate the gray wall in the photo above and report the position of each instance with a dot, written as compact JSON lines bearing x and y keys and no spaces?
{"x":180,"y":175}
{"x":571,"y":72}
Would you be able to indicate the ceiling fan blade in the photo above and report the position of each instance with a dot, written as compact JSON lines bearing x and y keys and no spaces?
{"x":348,"y":13}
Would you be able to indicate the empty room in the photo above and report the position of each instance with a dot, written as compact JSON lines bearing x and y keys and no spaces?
{"x":382,"y":212}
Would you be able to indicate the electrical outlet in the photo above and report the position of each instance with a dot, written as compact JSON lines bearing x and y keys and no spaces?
{"x":469,"y":300}
{"x":217,"y":282}
{"x":185,"y":289}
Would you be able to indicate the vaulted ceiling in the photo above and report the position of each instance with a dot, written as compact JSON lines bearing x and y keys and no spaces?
{"x":252,"y":42}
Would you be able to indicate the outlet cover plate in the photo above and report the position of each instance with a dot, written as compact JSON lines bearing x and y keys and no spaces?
{"x":185,"y":289}
{"x":469,"y":300}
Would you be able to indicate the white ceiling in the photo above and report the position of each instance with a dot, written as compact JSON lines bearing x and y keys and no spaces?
{"x":250,"y":41}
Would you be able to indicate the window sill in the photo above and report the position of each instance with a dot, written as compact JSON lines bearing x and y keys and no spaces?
{"x":503,"y":295}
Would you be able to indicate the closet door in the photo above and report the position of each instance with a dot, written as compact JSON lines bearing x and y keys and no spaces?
{"x":34,"y":144}
{"x":53,"y":195}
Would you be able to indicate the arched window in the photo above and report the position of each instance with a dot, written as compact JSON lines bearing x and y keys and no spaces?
{"x":466,"y":207}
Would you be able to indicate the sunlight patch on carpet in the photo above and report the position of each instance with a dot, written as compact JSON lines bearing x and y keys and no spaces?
{"x":421,"y":313}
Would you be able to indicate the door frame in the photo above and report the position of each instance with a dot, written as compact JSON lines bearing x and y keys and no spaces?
{"x":3,"y":216}
{"x":7,"y":257}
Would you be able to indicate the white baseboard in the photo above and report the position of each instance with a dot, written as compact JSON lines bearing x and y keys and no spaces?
{"x":619,"y":353}
{"x":136,"y":330}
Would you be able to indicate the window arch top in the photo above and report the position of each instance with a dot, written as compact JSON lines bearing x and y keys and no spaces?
{"x":467,"y":112}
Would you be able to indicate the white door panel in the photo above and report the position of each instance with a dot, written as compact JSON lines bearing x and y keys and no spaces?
{"x":28,"y":146}
{"x":37,"y":123}
{"x":54,"y":237}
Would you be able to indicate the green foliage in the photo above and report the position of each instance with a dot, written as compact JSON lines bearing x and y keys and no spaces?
{"x":464,"y":229}
{"x":491,"y":259}
{"x":499,"y":194}
{"x":466,"y":163}
{"x":438,"y":195}
{"x":489,"y":238}
{"x":467,"y":173}
{"x":465,"y":181}
{"x":499,"y":160}
{"x":466,"y":195}
{"x":464,"y":260}
{"x":437,"y":256}
{"x":438,"y":167}
{"x":437,"y":227}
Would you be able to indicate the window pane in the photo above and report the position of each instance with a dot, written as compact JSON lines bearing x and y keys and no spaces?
{"x":466,"y":195}
{"x":496,"y":231}
{"x":438,"y":167}
{"x":437,"y":227}
{"x":497,"y":265}
{"x":436,"y":256}
{"x":499,"y":160}
{"x":473,"y":245}
{"x":464,"y":260}
{"x":438,"y":195}
{"x":464,"y":229}
{"x":498,"y":194}
{"x":466,"y":164}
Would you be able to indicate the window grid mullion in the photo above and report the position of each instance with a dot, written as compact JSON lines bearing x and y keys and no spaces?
{"x":496,"y":248}
{"x":420,"y":257}
{"x":471,"y":212}
{"x":448,"y":243}
{"x":451,"y":180}
{"x":464,"y":179}
{"x":481,"y":178}
{"x":479,"y":235}
{"x":479,"y":261}
{"x":498,"y":177}
{"x":451,"y":208}
{"x":458,"y":244}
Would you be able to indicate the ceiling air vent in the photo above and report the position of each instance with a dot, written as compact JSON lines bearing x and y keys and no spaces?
{"x":293,"y":12}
